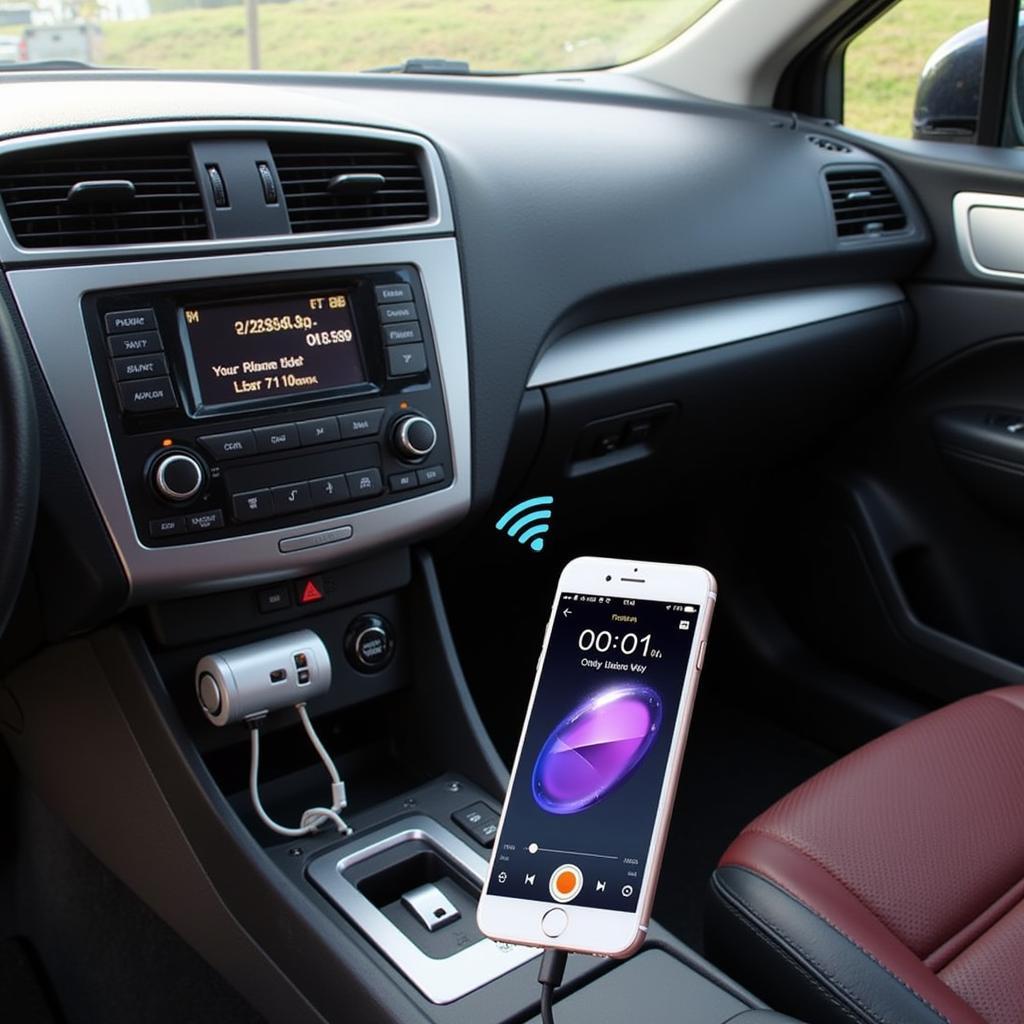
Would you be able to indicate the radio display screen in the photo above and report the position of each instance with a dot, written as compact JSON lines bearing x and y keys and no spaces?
{"x":276,"y":348}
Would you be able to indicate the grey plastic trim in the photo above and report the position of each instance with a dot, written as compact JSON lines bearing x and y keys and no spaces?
{"x":635,"y":340}
{"x":50,"y":301}
{"x":990,"y":228}
{"x":441,"y":981}
{"x":439,"y":222}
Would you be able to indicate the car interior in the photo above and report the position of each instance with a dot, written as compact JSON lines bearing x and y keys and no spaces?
{"x":281,"y":346}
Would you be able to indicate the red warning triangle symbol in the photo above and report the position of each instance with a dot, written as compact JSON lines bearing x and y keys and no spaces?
{"x":310,"y":593}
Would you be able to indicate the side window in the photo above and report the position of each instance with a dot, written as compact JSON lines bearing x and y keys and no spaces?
{"x":916,"y":71}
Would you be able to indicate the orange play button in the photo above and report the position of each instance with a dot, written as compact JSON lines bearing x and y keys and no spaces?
{"x":566,"y":883}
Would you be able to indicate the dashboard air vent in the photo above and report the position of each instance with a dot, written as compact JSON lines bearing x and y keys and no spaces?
{"x":863,"y":203}
{"x":344,"y":184}
{"x":103,"y":194}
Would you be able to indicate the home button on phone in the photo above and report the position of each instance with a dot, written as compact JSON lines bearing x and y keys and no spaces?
{"x":553,"y":923}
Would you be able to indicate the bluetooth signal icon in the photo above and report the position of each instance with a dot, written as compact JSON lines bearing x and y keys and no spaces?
{"x":528,"y":521}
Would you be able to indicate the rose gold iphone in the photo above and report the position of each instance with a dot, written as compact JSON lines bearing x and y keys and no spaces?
{"x":582,"y":833}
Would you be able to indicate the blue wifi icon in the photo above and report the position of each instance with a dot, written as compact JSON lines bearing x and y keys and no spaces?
{"x":527,"y":526}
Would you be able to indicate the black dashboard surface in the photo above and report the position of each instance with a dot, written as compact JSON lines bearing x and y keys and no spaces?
{"x":576,"y":199}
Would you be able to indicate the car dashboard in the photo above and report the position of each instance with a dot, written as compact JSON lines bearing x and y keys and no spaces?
{"x":431,"y":298}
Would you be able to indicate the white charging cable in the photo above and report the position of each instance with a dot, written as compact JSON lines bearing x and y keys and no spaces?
{"x":315,"y":817}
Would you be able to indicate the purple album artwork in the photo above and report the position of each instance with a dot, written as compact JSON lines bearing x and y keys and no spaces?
{"x":595,"y":747}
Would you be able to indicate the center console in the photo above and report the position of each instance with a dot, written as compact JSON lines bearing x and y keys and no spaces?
{"x":249,"y":417}
{"x":244,"y":403}
{"x":266,"y":424}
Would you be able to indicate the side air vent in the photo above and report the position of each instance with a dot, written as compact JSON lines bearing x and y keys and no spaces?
{"x":343,"y":184}
{"x":863,"y":203}
{"x":103,"y":194}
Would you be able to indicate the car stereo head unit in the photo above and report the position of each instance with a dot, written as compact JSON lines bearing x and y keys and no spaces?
{"x":284,"y":399}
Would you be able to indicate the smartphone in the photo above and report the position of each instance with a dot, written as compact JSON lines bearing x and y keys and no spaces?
{"x":586,"y":816}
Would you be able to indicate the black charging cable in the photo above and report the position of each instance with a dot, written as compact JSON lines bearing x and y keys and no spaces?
{"x":552,"y":970}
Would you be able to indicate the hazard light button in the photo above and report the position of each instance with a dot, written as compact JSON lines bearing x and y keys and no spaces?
{"x":310,"y":590}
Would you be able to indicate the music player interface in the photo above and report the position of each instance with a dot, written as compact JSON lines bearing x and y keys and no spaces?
{"x":584,"y":800}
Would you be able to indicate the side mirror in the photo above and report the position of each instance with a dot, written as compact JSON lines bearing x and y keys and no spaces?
{"x":948,"y":93}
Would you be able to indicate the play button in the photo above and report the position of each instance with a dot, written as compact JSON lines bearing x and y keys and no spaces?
{"x":566,"y":883}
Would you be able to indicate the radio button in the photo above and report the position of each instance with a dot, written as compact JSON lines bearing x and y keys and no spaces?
{"x":405,"y":360}
{"x":138,"y":343}
{"x":252,"y":505}
{"x":319,"y":431}
{"x":361,"y":424}
{"x":291,"y":498}
{"x":135,"y":367}
{"x":393,"y":292}
{"x":402,"y":334}
{"x":197,"y":522}
{"x":403,"y":481}
{"x":398,"y":312}
{"x":147,"y":395}
{"x":130,"y":320}
{"x":276,"y":438}
{"x":328,"y":490}
{"x":235,"y":445}
{"x":430,"y":475}
{"x":274,"y":599}
{"x":364,"y":483}
{"x":169,"y":526}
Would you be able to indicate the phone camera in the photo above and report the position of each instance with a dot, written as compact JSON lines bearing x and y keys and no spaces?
{"x":607,"y":579}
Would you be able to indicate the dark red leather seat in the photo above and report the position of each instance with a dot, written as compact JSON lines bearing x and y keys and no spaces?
{"x":889,"y":888}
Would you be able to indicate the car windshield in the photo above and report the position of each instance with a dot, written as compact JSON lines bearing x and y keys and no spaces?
{"x":344,"y":35}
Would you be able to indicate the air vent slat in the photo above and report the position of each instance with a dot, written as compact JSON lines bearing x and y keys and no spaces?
{"x":166,"y":206}
{"x":115,"y":219}
{"x":306,"y":164}
{"x":338,"y":223}
{"x":20,"y":204}
{"x":864,"y":204}
{"x":125,"y":236}
{"x":853,"y":211}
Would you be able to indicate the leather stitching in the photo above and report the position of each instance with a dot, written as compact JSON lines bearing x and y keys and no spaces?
{"x":970,"y":924}
{"x":803,"y":853}
{"x":778,"y":947}
{"x":835,"y":981}
{"x":814,"y":860}
{"x":983,"y":935}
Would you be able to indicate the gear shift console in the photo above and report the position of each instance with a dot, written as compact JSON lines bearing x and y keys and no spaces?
{"x":412,"y":888}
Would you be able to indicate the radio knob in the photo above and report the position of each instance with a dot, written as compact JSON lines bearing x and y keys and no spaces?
{"x":413,"y":438}
{"x":178,"y":476}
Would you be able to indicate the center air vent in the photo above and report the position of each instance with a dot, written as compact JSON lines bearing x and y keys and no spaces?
{"x":109,"y":193}
{"x":343,"y":184}
{"x":863,"y":203}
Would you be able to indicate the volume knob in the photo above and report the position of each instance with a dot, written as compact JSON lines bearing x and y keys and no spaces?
{"x":178,"y":476}
{"x":413,"y":438}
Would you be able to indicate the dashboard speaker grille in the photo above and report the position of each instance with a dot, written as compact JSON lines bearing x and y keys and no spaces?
{"x":343,"y":184}
{"x":863,"y":203}
{"x":103,"y":194}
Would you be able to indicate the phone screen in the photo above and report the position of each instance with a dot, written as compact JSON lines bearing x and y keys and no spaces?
{"x":583,"y":803}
